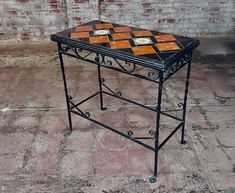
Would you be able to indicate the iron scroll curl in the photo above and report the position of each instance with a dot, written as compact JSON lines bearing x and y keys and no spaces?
{"x":177,"y":65}
{"x":126,"y":67}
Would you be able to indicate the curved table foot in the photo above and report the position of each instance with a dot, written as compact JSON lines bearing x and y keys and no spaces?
{"x":152,"y":179}
{"x":104,"y":108}
{"x":183,"y":142}
{"x":67,"y":133}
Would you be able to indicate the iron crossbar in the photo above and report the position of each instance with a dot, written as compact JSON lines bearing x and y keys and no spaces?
{"x":128,"y":100}
{"x":114,"y":130}
{"x":135,"y":139}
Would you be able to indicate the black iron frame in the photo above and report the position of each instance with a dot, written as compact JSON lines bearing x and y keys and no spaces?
{"x":159,"y":76}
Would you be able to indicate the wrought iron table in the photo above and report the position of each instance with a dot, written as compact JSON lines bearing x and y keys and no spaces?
{"x":128,"y":50}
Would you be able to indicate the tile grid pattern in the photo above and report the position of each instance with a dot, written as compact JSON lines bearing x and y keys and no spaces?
{"x":120,"y":36}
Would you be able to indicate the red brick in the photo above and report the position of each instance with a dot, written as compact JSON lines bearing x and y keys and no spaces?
{"x":54,"y":1}
{"x":55,"y":11}
{"x":13,"y":12}
{"x":149,"y":10}
{"x":146,"y":5}
{"x":23,"y":1}
{"x":170,"y":20}
{"x":81,"y":1}
{"x":54,"y":6}
{"x":77,"y":18}
{"x":28,"y":12}
{"x":25,"y":38}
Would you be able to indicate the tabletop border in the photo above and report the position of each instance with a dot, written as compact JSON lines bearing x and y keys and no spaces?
{"x":121,"y":55}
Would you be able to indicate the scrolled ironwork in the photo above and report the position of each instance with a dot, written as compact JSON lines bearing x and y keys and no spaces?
{"x":181,"y":106}
{"x":84,"y":114}
{"x":106,"y":62}
{"x":64,"y":48}
{"x":78,"y":53}
{"x":153,"y":75}
{"x":109,"y":62}
{"x":118,"y":93}
{"x":87,"y":114}
{"x":100,"y":59}
{"x":188,"y":58}
{"x":174,"y":67}
{"x":152,"y":133}
{"x":97,"y":59}
{"x":130,"y":133}
{"x":128,"y":69}
{"x":177,"y":65}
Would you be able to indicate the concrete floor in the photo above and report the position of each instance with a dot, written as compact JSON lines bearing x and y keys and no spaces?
{"x":36,"y":157}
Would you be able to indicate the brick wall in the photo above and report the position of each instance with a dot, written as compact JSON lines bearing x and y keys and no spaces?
{"x":37,"y":19}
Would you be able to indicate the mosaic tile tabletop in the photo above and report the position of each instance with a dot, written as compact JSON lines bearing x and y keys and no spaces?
{"x":143,"y":43}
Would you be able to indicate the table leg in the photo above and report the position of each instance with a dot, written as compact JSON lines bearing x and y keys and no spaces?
{"x":154,"y":177}
{"x":185,"y":102}
{"x":65,"y":89}
{"x":100,"y":88}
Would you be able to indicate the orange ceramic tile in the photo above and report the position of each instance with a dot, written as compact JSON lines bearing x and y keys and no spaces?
{"x":165,"y":38}
{"x":99,"y":39}
{"x":80,"y":35}
{"x":84,"y":28}
{"x":142,"y":33}
{"x":121,"y":36}
{"x":122,"y":29}
{"x":120,"y":44}
{"x":170,"y":46}
{"x":143,"y":50}
{"x":104,"y":25}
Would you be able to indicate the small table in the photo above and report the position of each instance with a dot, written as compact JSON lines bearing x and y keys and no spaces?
{"x":128,"y":50}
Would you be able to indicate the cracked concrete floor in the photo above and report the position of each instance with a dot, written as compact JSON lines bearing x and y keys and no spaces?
{"x":35,"y":156}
